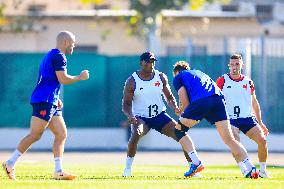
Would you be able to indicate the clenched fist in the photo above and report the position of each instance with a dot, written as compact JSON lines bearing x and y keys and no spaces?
{"x":84,"y":75}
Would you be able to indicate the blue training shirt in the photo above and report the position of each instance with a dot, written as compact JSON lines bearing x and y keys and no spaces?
{"x":48,"y":86}
{"x":197,"y":84}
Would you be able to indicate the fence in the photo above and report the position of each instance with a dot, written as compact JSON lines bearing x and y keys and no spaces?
{"x":97,"y":101}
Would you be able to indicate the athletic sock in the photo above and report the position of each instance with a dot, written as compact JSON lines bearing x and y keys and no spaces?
{"x":189,"y":163}
{"x":262,"y":166}
{"x":128,"y":162}
{"x":194,"y":158}
{"x":58,"y":164}
{"x":248,"y":163}
{"x":13,"y":159}
{"x":242,"y":167}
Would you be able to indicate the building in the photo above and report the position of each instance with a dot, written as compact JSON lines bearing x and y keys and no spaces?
{"x":106,"y":31}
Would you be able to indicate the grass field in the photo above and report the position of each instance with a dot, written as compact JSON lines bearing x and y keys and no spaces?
{"x":35,"y":175}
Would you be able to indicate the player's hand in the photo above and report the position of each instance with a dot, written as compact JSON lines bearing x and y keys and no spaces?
{"x":264,"y":129}
{"x":84,"y":75}
{"x":133,"y":120}
{"x":60,"y":104}
{"x":178,"y":111}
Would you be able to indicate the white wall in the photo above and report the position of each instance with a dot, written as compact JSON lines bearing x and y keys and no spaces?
{"x":109,"y":139}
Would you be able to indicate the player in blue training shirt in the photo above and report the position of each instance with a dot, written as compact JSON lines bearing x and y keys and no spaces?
{"x":47,"y":105}
{"x":200,"y":98}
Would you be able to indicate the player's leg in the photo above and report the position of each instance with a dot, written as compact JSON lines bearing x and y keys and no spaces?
{"x":169,"y":131}
{"x":236,"y":134}
{"x":38,"y":123}
{"x":137,"y":132}
{"x":190,"y":117}
{"x":180,"y":130}
{"x":218,"y":115}
{"x":258,"y":136}
{"x":58,"y":128}
{"x":237,"y":149}
{"x":187,"y":144}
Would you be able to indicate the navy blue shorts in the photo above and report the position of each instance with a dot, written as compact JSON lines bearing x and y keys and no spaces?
{"x":211,"y":108}
{"x":244,"y":124}
{"x":45,"y":110}
{"x":158,"y":122}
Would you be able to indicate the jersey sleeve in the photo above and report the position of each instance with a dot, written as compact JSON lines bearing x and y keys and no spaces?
{"x":177,"y":82}
{"x":220,"y":82}
{"x":59,"y":62}
{"x":252,"y":88}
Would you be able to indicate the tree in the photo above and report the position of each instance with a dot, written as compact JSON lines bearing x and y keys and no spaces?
{"x":146,"y":22}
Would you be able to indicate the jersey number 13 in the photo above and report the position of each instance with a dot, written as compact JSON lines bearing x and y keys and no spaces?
{"x":153,"y":110}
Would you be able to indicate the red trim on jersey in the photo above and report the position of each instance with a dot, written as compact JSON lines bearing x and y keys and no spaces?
{"x":220,"y":82}
{"x":238,"y":79}
{"x":252,"y":88}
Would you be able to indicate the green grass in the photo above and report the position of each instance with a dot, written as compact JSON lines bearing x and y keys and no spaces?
{"x":153,"y":177}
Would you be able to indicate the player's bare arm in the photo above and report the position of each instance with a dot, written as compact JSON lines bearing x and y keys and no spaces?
{"x":183,"y":98}
{"x":128,"y":94}
{"x":64,"y":78}
{"x":169,"y":97}
{"x":257,"y":113}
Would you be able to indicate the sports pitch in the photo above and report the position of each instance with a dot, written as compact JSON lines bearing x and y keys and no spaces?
{"x":95,"y":173}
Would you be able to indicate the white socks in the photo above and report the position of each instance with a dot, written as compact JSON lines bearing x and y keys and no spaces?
{"x":128,"y":162}
{"x":13,"y":159}
{"x":248,"y":163}
{"x":58,"y":164}
{"x":242,"y":167}
{"x":262,"y":166}
{"x":189,"y":163}
{"x":194,"y":158}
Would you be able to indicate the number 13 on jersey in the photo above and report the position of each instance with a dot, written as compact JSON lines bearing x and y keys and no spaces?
{"x":153,"y":110}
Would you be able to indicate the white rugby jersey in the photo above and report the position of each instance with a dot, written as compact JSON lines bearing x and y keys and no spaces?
{"x":238,"y":96}
{"x":147,"y":99}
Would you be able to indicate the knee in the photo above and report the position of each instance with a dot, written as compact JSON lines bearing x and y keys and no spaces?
{"x":134,"y":138}
{"x":179,"y":134}
{"x":61,"y":136}
{"x":229,"y":140}
{"x":261,"y":141}
{"x":35,"y":136}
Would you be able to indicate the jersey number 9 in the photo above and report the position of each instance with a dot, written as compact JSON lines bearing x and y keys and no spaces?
{"x":237,"y":111}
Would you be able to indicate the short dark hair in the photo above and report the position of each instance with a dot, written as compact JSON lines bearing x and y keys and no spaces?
{"x":180,"y":66}
{"x":236,"y":56}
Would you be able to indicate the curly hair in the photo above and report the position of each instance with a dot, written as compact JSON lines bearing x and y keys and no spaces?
{"x":180,"y":66}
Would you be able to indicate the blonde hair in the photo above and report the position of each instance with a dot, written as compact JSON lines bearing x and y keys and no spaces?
{"x":180,"y":66}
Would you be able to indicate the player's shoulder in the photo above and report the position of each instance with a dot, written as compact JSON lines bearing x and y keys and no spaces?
{"x":57,"y":55}
{"x":161,"y":74}
{"x":247,"y":78}
{"x":130,"y":78}
{"x":130,"y":82}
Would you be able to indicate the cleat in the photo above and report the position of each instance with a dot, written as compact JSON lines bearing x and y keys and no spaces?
{"x":126,"y":173}
{"x":264,"y":174}
{"x":64,"y":176}
{"x":197,"y":175}
{"x":253,"y":174}
{"x":10,"y":171}
{"x":194,"y":169}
